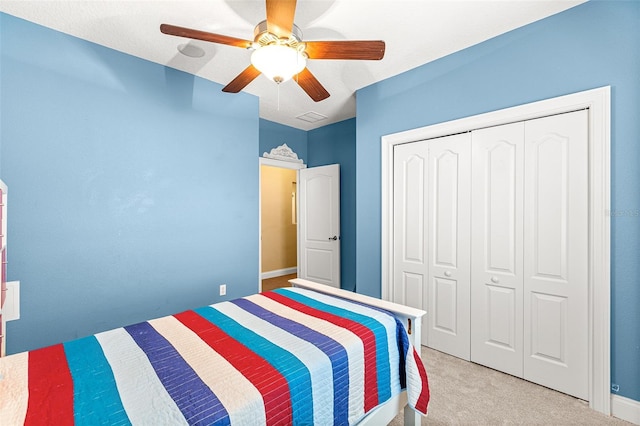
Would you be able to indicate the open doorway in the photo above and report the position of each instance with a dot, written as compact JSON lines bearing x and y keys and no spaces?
{"x":278,"y":223}
{"x":303,"y":200}
{"x":278,"y":216}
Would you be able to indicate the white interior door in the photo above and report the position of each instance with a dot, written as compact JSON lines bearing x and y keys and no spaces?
{"x":319,"y":224}
{"x":556,"y":261}
{"x":448,"y":217}
{"x":496,"y":245}
{"x":409,"y":226}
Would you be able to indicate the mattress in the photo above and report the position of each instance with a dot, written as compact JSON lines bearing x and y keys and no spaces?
{"x":289,"y":356}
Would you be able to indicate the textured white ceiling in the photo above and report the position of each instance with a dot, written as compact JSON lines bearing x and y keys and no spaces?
{"x":415,"y":32}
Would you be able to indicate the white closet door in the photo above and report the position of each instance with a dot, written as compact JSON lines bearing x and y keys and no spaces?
{"x":496,"y":244}
{"x":556,"y":252}
{"x":409,"y":222}
{"x":449,"y":184}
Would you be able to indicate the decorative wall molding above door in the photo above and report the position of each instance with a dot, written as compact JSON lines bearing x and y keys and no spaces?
{"x":283,"y":153}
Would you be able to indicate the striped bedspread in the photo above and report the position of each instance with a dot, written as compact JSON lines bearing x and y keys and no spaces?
{"x":290,"y":356}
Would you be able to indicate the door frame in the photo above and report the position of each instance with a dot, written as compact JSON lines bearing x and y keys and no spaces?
{"x":271,"y":163}
{"x":598,"y":102}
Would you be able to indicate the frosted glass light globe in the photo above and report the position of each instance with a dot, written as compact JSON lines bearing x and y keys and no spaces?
{"x":278,"y":62}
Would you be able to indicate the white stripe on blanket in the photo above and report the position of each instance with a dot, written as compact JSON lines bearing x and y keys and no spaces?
{"x":303,"y":350}
{"x":14,"y":389}
{"x":343,"y":336}
{"x":385,"y":319}
{"x":241,"y":399}
{"x":141,"y":392}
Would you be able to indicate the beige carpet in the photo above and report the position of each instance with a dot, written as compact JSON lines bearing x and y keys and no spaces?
{"x":463,"y":393}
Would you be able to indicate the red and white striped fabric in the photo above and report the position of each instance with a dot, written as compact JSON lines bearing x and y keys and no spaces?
{"x":417,"y":383}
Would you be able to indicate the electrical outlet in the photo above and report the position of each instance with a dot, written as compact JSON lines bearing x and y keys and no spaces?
{"x":223,"y":289}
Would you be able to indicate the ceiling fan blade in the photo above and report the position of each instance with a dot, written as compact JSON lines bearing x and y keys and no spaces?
{"x":241,"y":81}
{"x":280,"y":15}
{"x":203,"y":35}
{"x":345,"y":49}
{"x":311,"y":85}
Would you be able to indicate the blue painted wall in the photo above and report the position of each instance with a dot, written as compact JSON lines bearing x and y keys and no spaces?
{"x":592,"y":45}
{"x":335,"y":144}
{"x":133,"y":186}
{"x":272,"y":135}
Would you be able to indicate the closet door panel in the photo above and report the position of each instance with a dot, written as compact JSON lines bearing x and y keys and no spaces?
{"x":496,"y":260}
{"x":410,"y":230}
{"x":556,"y":252}
{"x":449,"y":185}
{"x":445,"y":300}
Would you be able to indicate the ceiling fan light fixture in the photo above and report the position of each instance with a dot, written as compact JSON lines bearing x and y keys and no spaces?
{"x":278,"y":62}
{"x":279,"y":52}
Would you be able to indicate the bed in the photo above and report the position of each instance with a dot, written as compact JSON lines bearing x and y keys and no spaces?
{"x":309,"y":354}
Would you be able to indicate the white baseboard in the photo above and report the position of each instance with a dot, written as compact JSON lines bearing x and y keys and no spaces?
{"x":625,"y":409}
{"x":279,"y":272}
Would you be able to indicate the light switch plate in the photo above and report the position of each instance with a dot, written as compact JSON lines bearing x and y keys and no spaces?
{"x":11,"y":309}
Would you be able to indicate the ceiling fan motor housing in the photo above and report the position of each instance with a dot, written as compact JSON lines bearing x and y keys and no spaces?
{"x":263,"y":37}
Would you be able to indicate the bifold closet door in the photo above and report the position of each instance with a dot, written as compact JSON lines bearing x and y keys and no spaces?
{"x":449,"y":186}
{"x":431,"y":216}
{"x":529,"y":292}
{"x":496,"y":247}
{"x":556,"y":266}
{"x":409,"y":226}
{"x":491,"y":238}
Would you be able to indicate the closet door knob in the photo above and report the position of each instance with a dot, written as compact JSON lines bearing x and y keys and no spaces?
{"x":495,"y":280}
{"x":447,"y":273}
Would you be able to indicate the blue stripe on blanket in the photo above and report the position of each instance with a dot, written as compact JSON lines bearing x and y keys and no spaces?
{"x":334,"y":350}
{"x":403,"y":349}
{"x":95,"y":396}
{"x":378,"y":329}
{"x":193,"y":397}
{"x":294,"y":371}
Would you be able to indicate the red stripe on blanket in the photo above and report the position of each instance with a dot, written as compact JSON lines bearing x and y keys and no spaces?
{"x":363,"y":332}
{"x":423,"y":399}
{"x":50,"y":388}
{"x":270,"y":383}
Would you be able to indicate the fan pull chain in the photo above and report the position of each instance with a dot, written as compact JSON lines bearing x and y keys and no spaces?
{"x":278,"y":97}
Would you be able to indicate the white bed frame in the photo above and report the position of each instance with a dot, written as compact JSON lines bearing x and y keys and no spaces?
{"x":412,"y":320}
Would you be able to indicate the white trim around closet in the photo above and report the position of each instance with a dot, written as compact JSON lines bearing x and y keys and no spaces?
{"x":597,"y":101}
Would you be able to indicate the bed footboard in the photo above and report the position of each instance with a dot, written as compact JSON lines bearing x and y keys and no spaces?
{"x":412,"y":320}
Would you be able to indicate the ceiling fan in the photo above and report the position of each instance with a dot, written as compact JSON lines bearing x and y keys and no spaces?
{"x":279,"y":52}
